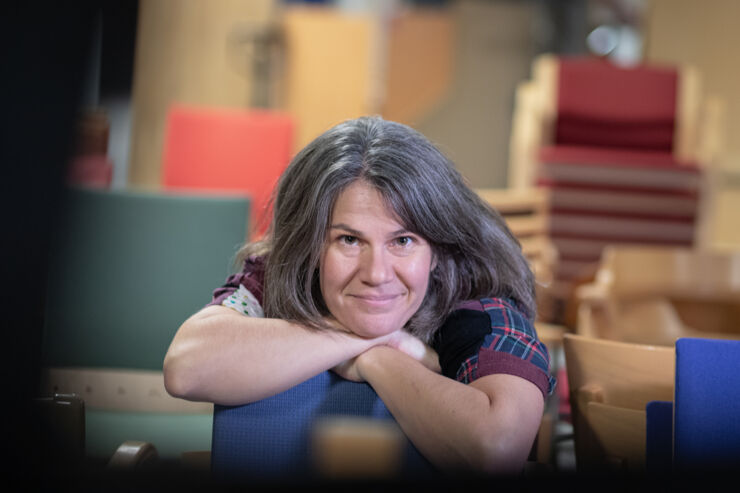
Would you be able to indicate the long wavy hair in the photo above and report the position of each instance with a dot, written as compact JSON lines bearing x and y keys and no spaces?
{"x":477,"y":256}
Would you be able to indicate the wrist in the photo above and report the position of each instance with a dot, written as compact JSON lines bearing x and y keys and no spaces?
{"x":372,"y":360}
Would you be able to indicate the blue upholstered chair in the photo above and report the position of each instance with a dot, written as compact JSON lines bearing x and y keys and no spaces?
{"x":275,"y":438}
{"x":700,"y":430}
{"x":706,"y":429}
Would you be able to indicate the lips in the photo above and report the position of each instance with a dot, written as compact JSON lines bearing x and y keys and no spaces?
{"x":376,"y":301}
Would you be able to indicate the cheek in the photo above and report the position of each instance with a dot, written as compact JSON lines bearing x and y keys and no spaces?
{"x":418,"y":274}
{"x":332,"y":273}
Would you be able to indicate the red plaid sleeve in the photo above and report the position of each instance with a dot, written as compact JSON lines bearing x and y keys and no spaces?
{"x":251,"y":276}
{"x":499,"y":338}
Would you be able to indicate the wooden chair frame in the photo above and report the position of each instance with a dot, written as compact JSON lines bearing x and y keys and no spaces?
{"x":610,"y":384}
{"x":655,"y":295}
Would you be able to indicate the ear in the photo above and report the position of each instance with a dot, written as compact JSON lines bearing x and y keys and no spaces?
{"x":434,"y":262}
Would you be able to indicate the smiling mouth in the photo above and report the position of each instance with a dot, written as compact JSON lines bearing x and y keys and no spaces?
{"x":376,"y":301}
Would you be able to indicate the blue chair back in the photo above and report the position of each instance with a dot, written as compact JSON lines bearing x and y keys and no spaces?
{"x":271,"y":439}
{"x":707,"y":405}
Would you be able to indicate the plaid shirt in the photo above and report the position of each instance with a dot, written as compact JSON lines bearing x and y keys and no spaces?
{"x":504,"y":341}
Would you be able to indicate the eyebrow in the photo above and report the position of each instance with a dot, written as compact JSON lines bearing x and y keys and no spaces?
{"x":355,"y":232}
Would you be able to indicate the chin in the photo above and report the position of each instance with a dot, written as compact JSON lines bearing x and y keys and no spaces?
{"x":371,"y":328}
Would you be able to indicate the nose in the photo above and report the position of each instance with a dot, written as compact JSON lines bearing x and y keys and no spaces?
{"x":376,"y":267}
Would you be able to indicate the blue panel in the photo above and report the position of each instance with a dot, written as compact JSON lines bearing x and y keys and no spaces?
{"x":707,"y":400}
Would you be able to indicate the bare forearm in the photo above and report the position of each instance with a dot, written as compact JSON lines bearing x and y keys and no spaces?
{"x":456,"y":426}
{"x":230,"y":359}
{"x":423,"y":403}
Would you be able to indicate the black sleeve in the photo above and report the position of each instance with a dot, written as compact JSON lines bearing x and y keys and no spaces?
{"x":459,"y":338}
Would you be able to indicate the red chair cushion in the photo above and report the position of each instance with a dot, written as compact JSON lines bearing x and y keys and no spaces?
{"x":219,"y":149}
{"x":600,"y":104}
{"x":613,"y":156}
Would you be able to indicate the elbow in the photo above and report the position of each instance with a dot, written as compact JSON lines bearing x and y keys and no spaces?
{"x":180,"y":370}
{"x":502,"y":453}
{"x":177,"y":382}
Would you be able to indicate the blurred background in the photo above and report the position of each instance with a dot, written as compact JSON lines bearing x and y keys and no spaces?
{"x":454,"y":70}
{"x":110,"y":96}
{"x":448,"y":68}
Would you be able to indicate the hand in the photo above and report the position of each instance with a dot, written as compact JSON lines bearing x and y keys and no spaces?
{"x":401,"y":341}
{"x":414,"y":347}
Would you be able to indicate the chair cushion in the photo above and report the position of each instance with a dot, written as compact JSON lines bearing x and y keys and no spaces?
{"x":601,"y":104}
{"x":593,"y":155}
{"x":655,"y":136}
{"x":616,"y":169}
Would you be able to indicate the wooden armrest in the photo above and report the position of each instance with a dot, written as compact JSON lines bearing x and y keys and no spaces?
{"x":550,"y":334}
{"x":591,"y":293}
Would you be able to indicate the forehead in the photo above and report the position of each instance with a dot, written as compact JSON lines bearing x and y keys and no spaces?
{"x":360,"y":201}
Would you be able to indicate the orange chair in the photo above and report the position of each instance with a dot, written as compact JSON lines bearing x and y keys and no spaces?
{"x":228,"y":150}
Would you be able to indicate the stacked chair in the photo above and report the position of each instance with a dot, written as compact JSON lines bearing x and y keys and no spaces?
{"x":127,"y":268}
{"x":625,"y":154}
{"x":526,"y":214}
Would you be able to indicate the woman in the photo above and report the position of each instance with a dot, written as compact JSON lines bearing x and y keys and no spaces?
{"x":382,"y":265}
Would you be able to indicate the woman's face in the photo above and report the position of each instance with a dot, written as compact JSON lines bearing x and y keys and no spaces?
{"x":374,"y":273}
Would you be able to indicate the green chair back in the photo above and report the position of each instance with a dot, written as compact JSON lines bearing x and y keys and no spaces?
{"x":128,"y":267}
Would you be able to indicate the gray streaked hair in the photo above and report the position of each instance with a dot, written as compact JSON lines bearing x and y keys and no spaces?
{"x":477,"y":256}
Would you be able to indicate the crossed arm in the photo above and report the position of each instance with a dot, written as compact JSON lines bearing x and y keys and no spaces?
{"x":489,"y":425}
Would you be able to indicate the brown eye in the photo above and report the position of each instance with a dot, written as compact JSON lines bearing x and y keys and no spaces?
{"x":348,"y":239}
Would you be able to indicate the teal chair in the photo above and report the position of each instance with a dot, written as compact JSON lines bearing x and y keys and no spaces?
{"x":126,"y":269}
